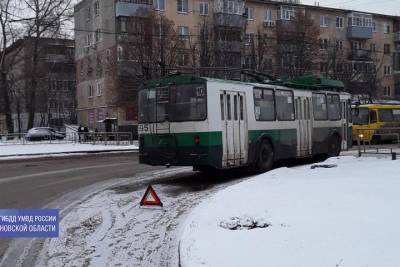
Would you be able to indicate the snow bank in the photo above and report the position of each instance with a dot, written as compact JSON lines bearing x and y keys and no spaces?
{"x":58,"y":148}
{"x":341,"y":216}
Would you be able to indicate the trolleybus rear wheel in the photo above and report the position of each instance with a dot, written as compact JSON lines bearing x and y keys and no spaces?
{"x":265,"y":157}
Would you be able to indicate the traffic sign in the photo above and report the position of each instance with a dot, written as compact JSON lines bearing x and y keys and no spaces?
{"x":150,"y":198}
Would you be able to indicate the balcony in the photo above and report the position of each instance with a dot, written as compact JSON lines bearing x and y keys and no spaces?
{"x":360,"y":55}
{"x":358,"y":32}
{"x":233,"y":46}
{"x":132,"y":8}
{"x":229,"y":20}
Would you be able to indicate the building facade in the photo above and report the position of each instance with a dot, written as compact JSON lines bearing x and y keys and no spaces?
{"x":54,"y":96}
{"x":121,"y":43}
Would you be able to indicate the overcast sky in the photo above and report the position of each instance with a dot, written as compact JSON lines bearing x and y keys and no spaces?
{"x":389,"y":7}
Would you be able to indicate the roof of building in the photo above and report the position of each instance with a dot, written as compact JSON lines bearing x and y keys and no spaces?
{"x":15,"y":45}
{"x":318,"y":7}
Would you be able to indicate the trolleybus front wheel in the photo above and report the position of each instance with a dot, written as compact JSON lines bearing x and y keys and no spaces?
{"x":265,"y":157}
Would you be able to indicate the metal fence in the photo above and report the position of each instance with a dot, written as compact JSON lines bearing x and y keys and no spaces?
{"x":382,"y":141}
{"x":103,"y":138}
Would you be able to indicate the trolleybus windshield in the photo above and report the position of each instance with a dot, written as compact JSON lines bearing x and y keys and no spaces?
{"x":174,"y":103}
{"x":360,"y":116}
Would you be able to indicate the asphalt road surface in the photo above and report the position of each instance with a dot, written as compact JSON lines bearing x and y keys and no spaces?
{"x":35,"y":182}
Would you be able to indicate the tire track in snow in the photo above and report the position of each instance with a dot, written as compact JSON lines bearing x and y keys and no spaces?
{"x":129,"y":235}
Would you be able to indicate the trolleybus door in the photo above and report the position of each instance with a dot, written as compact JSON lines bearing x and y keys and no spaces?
{"x":345,"y":123}
{"x":304,"y":138}
{"x":234,"y":128}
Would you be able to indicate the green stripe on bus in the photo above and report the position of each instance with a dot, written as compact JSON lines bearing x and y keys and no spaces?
{"x":279,"y":135}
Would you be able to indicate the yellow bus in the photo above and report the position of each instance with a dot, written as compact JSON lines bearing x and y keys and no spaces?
{"x":370,"y":121}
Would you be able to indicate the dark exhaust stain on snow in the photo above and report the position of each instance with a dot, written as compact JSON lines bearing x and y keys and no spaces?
{"x":243,"y":223}
{"x":326,"y":166}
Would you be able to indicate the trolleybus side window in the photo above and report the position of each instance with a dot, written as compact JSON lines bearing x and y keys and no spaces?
{"x":264,"y":104}
{"x":334,"y":107}
{"x":284,"y":105}
{"x":385,"y":115}
{"x":396,"y":114}
{"x":319,"y":107}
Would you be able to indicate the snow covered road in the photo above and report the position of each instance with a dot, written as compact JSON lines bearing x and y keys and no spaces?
{"x":108,"y":228}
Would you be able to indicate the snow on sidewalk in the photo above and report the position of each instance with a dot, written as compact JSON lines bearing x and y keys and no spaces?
{"x":35,"y":149}
{"x":342,"y":216}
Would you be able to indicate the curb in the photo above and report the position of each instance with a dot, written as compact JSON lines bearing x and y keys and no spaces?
{"x":71,"y":152}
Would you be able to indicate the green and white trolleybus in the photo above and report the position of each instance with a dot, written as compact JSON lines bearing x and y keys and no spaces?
{"x":211,"y":123}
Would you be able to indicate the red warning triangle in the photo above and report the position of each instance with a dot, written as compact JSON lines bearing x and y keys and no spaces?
{"x":150,"y":198}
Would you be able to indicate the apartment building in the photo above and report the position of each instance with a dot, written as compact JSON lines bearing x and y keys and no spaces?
{"x":363,"y":40}
{"x":113,"y":59}
{"x":55,"y":77}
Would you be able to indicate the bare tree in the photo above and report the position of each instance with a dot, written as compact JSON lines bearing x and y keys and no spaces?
{"x":358,"y":69}
{"x":7,"y":21}
{"x":297,"y":44}
{"x":47,"y":19}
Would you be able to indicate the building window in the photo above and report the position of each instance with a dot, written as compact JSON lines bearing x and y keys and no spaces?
{"x":99,"y":88}
{"x":287,"y":13}
{"x":120,"y":53}
{"x":386,"y":27}
{"x":90,"y":91}
{"x":204,"y":8}
{"x":183,"y":59}
{"x":122,"y":24}
{"x":339,"y":45}
{"x":386,"y":91}
{"x":108,"y":55}
{"x":374,"y":29}
{"x":339,"y":22}
{"x":387,"y":70}
{"x":88,"y":14}
{"x":89,"y":39}
{"x":249,"y":11}
{"x":231,"y":7}
{"x":386,"y":49}
{"x":234,"y":8}
{"x":360,"y":20}
{"x":183,"y":32}
{"x":98,"y":35}
{"x":268,"y":15}
{"x":323,"y":21}
{"x":159,"y":5}
{"x":372,"y":47}
{"x":96,"y":8}
{"x":324,"y":44}
{"x":183,"y":6}
{"x":249,"y":38}
{"x":356,"y":46}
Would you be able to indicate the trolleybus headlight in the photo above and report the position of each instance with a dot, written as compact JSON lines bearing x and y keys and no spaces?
{"x":197,"y":139}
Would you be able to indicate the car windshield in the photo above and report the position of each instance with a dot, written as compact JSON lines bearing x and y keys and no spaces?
{"x":360,"y":116}
{"x":174,"y":103}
